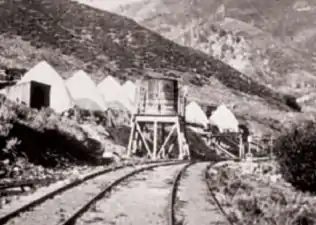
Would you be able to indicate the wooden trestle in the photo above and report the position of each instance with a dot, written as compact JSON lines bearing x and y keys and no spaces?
{"x":138,"y":136}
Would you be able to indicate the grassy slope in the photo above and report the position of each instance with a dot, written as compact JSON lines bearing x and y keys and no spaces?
{"x":72,"y":36}
{"x":269,"y":55}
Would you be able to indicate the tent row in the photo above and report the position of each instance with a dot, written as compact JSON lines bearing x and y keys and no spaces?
{"x":222,"y":117}
{"x":81,"y":91}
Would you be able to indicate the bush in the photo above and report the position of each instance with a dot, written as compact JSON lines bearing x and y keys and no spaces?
{"x":44,"y":136}
{"x":296,"y":153}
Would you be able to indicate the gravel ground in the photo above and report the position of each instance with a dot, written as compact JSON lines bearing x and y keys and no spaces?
{"x":53,"y":211}
{"x":135,"y":201}
{"x":194,"y":204}
{"x":11,"y":196}
{"x":31,"y":195}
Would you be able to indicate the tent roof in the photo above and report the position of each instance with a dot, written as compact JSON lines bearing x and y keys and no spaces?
{"x":130,"y":89}
{"x":84,"y":92}
{"x":224,"y":118}
{"x":195,"y":114}
{"x":60,"y":98}
{"x":112,"y":91}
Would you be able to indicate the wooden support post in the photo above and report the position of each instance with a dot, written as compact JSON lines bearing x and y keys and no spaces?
{"x":143,"y":139}
{"x":136,"y":144}
{"x":155,"y":140}
{"x":131,"y":139}
{"x":162,"y":149}
{"x":241,"y":148}
{"x":179,"y":140}
{"x":249,"y":140}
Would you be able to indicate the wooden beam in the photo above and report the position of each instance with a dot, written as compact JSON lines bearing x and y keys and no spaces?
{"x":179,"y":140}
{"x":143,"y":139}
{"x":167,"y":139}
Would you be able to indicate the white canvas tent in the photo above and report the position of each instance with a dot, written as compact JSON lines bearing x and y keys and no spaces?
{"x":130,"y":89}
{"x":60,"y":99}
{"x":195,"y":115}
{"x":84,"y":92}
{"x":112,"y":91}
{"x":224,"y":119}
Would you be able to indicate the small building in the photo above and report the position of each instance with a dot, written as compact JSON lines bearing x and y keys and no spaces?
{"x":60,"y":98}
{"x":33,"y":94}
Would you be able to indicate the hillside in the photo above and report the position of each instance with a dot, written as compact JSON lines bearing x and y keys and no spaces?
{"x":72,"y":36}
{"x":287,"y":20}
{"x":270,"y":41}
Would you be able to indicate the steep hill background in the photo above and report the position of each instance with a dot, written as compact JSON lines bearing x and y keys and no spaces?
{"x":270,"y":41}
{"x":73,"y":36}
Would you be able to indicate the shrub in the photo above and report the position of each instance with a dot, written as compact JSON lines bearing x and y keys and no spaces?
{"x":296,"y":153}
{"x":43,"y":135}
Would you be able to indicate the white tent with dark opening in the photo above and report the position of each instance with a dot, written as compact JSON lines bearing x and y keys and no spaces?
{"x":84,"y":92}
{"x":60,"y":98}
{"x":224,"y":119}
{"x":195,"y":115}
{"x":112,"y":91}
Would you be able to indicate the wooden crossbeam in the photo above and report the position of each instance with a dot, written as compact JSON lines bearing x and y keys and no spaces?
{"x":143,"y":139}
{"x":167,"y":139}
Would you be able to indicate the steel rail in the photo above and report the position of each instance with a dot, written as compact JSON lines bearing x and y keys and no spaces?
{"x":70,"y":185}
{"x":217,"y":203}
{"x":72,"y":219}
{"x":172,"y":196}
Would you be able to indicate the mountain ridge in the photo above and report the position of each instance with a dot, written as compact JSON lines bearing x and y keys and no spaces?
{"x":270,"y":57}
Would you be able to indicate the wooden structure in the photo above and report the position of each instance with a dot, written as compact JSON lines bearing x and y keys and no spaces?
{"x":31,"y":93}
{"x":160,"y":104}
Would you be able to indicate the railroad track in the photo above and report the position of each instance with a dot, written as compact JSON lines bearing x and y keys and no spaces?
{"x":82,"y":207}
{"x":7,"y":217}
{"x":214,"y":206}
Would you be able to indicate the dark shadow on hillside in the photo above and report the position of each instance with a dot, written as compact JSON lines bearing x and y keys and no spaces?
{"x":198,"y":148}
{"x":51,"y":147}
{"x":120,"y":135}
{"x":107,"y":37}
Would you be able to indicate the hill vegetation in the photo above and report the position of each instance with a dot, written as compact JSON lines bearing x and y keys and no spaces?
{"x":40,"y":136}
{"x":72,"y":36}
{"x":253,"y":37}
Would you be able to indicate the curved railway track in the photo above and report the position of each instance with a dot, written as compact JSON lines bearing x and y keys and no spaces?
{"x":72,"y":219}
{"x":81,"y":207}
{"x":7,"y":215}
{"x":172,"y":220}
